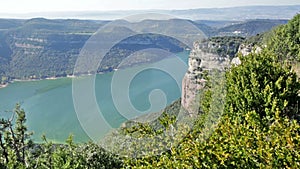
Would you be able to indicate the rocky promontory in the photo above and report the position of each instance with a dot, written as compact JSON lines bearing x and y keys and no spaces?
{"x":212,"y":54}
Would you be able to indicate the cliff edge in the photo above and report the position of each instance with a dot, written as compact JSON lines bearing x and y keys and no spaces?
{"x":212,"y":54}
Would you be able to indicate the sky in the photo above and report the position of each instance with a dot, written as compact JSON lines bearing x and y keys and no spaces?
{"x":29,"y":6}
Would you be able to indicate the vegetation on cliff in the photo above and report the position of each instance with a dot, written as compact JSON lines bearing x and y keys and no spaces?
{"x":259,"y":127}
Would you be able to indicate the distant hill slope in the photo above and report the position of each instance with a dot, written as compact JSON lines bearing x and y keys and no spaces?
{"x":249,"y":27}
{"x":39,"y":48}
{"x":239,"y":13}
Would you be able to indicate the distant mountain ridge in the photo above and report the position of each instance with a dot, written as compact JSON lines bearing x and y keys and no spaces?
{"x":230,"y":13}
{"x":240,"y":13}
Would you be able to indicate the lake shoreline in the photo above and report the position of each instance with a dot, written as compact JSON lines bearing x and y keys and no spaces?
{"x":71,"y":75}
{"x":47,"y":78}
{"x":54,"y":78}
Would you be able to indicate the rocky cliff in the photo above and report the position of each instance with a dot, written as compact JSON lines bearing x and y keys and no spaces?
{"x":212,"y":54}
{"x":200,"y":60}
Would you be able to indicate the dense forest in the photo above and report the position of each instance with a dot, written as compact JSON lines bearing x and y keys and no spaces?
{"x":259,"y":126}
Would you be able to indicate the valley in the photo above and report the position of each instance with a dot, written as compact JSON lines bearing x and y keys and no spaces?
{"x":211,"y":88}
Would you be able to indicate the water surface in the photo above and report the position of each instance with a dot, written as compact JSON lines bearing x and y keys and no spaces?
{"x":49,"y":104}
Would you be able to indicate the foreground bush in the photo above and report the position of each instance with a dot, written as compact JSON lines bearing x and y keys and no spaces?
{"x":259,"y":128}
{"x":18,"y":151}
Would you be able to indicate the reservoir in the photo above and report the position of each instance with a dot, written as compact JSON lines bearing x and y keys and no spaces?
{"x":50,"y":109}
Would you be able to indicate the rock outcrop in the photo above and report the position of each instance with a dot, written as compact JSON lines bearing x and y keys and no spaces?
{"x":217,"y":53}
{"x":247,"y":49}
{"x":202,"y":58}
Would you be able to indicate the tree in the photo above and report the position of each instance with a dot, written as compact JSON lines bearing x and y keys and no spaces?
{"x":14,"y":139}
{"x":262,"y":84}
{"x":18,"y":151}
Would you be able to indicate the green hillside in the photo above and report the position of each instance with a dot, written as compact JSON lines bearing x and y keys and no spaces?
{"x":39,"y":48}
{"x":250,"y":27}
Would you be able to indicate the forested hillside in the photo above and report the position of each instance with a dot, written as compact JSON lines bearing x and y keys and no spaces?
{"x":39,"y":48}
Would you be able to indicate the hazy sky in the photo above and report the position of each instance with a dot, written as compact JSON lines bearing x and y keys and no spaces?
{"x":25,"y":6}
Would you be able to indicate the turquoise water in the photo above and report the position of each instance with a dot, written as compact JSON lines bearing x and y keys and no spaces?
{"x":49,"y":104}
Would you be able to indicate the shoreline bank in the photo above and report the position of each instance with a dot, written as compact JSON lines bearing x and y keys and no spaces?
{"x":48,"y":78}
{"x":74,"y":76}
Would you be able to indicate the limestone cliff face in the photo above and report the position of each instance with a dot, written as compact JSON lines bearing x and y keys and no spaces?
{"x":247,"y":49}
{"x":212,"y":54}
{"x":201,"y":58}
